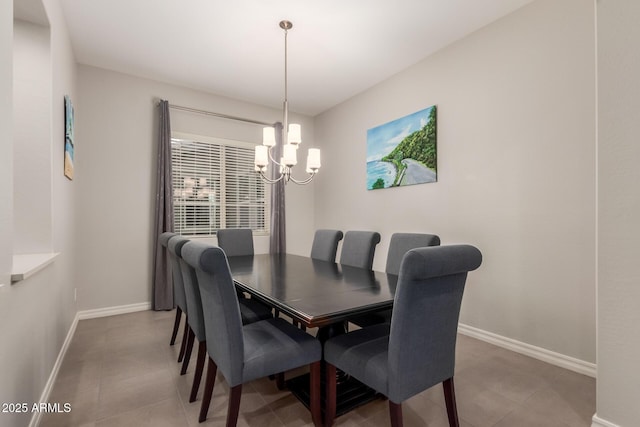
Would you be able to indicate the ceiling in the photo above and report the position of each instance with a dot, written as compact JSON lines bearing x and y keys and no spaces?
{"x":30,"y":10}
{"x":235,"y":48}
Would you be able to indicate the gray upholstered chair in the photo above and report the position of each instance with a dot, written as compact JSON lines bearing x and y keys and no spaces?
{"x":178,"y":295}
{"x":358,"y":248}
{"x":245,"y":352}
{"x":235,"y":241}
{"x":325,"y":245}
{"x":250,"y":310}
{"x":418,"y":350}
{"x":194,"y":321}
{"x":174,"y":247}
{"x":400,"y":244}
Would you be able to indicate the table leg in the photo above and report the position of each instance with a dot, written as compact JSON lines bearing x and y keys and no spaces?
{"x":350,"y":393}
{"x":330,"y":331}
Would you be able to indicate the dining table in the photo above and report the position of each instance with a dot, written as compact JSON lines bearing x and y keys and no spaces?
{"x":316,"y":294}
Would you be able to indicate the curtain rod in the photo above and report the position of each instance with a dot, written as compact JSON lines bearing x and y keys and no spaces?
{"x":224,"y":116}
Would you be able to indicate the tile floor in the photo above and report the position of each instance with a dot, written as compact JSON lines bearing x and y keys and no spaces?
{"x":121,"y":371}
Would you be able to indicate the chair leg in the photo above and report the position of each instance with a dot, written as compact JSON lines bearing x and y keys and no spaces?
{"x":185,"y":337}
{"x":395,"y":412}
{"x":234,"y":405}
{"x":314,"y":394}
{"x":187,"y":352}
{"x":176,"y":326}
{"x":330,"y":395}
{"x":280,"y":381}
{"x":212,"y":370}
{"x":450,"y":400}
{"x":202,"y":353}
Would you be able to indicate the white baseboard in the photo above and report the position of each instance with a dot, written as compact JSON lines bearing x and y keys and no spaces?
{"x":599,"y":422}
{"x":112,"y":311}
{"x":44,"y":397}
{"x":561,"y":360}
{"x":539,"y":353}
{"x":81,"y":315}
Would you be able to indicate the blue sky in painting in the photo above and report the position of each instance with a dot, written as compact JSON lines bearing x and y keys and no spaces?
{"x":381,"y":140}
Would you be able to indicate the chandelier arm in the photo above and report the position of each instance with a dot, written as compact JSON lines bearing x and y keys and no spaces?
{"x":304,"y":181}
{"x":269,"y":180}
{"x":277,"y":163}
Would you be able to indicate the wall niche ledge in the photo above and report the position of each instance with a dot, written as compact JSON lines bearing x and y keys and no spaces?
{"x":26,"y":265}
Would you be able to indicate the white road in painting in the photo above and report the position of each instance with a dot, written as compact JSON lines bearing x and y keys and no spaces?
{"x":416,"y":173}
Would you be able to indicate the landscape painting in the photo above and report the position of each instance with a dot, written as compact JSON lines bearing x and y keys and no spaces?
{"x":69,"y":144}
{"x":403,"y":152}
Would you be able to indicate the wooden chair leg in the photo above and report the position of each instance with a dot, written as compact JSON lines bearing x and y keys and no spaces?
{"x":185,"y":337}
{"x":176,"y":326}
{"x":187,"y":352}
{"x":234,"y":405}
{"x":212,"y":370}
{"x":280,"y":381}
{"x":450,"y":400}
{"x":202,"y":353}
{"x":314,"y":394}
{"x":395,"y":412}
{"x":330,"y":395}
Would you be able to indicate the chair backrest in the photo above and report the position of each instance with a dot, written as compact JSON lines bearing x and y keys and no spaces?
{"x":191,"y":289}
{"x":222,"y":318}
{"x":325,"y":245}
{"x":401,"y":243}
{"x":235,"y":241}
{"x":178,"y":286}
{"x":424,"y":323}
{"x":358,"y":248}
{"x":164,"y":238}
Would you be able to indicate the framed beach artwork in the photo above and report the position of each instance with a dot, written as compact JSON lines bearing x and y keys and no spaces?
{"x":68,"y":138}
{"x":403,"y":152}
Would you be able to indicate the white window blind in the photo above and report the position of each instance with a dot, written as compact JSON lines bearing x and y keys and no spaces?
{"x":215,"y":186}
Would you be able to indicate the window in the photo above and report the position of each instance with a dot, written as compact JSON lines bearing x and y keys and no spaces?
{"x":215,"y":186}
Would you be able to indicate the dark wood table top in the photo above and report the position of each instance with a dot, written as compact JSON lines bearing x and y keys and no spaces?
{"x":316,"y":293}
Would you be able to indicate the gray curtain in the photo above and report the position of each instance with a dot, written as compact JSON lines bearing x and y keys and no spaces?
{"x":278,"y":241}
{"x":162,"y":287}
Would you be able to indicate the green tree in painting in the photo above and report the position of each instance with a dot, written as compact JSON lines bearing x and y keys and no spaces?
{"x":420,"y":145}
{"x":378,"y":184}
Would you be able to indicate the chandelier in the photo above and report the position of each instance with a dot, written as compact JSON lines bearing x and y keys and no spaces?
{"x":291,"y":138}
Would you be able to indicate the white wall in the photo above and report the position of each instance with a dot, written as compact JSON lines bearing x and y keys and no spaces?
{"x":117,"y":122}
{"x":516,"y":158}
{"x":35,"y":314}
{"x":32,"y":138}
{"x":6,"y":146}
{"x":515,"y":146}
{"x":618,"y":386}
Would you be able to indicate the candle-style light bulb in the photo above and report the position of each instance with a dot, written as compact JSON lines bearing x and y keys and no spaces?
{"x":289,"y":154}
{"x":261,"y":156}
{"x":295,"y":134}
{"x":269,"y":136}
{"x":313,"y":159}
